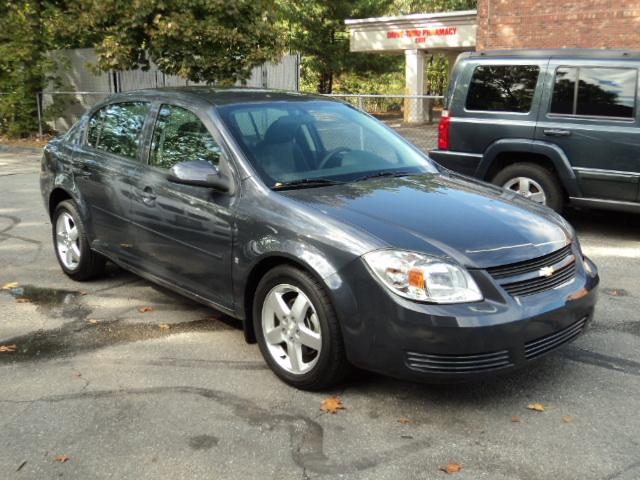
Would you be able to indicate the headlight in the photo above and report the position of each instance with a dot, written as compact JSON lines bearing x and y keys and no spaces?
{"x":422,"y":277}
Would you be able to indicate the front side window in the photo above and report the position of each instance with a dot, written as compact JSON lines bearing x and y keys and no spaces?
{"x":502,"y":88}
{"x":179,"y":136}
{"x":318,"y":140}
{"x":594,"y":91}
{"x":117,"y":128}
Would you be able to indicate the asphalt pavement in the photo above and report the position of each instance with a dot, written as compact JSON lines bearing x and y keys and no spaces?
{"x":118,"y":378}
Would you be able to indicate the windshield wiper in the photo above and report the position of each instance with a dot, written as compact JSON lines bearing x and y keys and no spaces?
{"x":305,"y":183}
{"x":382,"y":174}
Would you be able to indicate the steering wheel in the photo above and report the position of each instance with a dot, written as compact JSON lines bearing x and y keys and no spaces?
{"x":330,"y":154}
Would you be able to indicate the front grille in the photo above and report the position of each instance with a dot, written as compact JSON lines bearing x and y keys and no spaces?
{"x":528,"y":266}
{"x":427,"y":362}
{"x":542,"y":345}
{"x":526,"y":278}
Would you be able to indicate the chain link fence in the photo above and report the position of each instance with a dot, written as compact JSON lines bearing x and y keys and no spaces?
{"x":412,"y":109}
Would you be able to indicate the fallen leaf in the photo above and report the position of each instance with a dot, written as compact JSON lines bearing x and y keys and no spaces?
{"x":567,"y":419}
{"x":61,"y":458}
{"x":451,"y":468}
{"x":515,"y":418}
{"x":164,"y":326}
{"x":538,"y":407}
{"x":404,"y":421}
{"x":8,"y":348}
{"x":332,"y":405}
{"x":145,"y":309}
{"x":22,"y":300}
{"x":616,"y":292}
{"x":93,"y":321}
{"x":10,"y":285}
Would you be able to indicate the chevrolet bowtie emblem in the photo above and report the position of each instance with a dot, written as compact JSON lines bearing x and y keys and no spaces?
{"x":546,"y":271}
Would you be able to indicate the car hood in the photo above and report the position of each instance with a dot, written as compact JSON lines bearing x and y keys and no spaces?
{"x":472,"y":222}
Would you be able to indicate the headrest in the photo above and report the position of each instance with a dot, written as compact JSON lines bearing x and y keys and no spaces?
{"x":282,"y":130}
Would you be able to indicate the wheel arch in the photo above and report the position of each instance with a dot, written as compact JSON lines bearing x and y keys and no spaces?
{"x":57,"y":196}
{"x":503,"y":153}
{"x":257,"y":272}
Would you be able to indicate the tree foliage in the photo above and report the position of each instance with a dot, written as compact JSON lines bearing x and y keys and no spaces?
{"x":317,"y":31}
{"x":406,"y":7}
{"x":199,"y":40}
{"x":25,"y":67}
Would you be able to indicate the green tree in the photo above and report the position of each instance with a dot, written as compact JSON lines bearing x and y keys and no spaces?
{"x":25,"y":67}
{"x":406,"y":7}
{"x":316,"y":30}
{"x":199,"y":40}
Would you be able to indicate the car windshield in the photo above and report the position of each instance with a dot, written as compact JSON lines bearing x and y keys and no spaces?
{"x":315,"y":143}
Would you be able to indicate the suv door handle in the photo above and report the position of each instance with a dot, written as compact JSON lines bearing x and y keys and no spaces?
{"x":556,"y":132}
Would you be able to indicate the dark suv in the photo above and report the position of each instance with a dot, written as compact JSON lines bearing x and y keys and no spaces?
{"x":558,"y":126}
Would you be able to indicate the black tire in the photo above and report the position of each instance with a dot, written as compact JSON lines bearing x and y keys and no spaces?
{"x":332,"y":365}
{"x":91,"y":264}
{"x":552,"y":188}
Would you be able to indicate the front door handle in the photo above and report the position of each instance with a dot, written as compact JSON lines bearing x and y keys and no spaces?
{"x":148,"y":196}
{"x":556,"y":132}
{"x":81,"y":170}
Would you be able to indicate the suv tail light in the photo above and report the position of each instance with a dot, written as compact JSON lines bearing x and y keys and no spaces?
{"x":444,"y":128}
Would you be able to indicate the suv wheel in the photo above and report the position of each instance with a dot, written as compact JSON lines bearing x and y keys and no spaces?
{"x":75,"y":257}
{"x":297,"y":329}
{"x":533,"y":182}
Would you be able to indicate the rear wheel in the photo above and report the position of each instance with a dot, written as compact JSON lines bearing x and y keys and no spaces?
{"x":532,"y":181}
{"x":71,"y":245}
{"x":297,"y":329}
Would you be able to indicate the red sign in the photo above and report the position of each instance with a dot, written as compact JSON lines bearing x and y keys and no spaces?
{"x":420,"y":35}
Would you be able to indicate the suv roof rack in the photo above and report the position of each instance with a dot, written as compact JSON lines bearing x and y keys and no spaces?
{"x":560,"y":52}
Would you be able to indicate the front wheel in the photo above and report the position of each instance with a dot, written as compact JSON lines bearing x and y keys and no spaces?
{"x":71,"y":244}
{"x":532,"y":181}
{"x":297,"y":330}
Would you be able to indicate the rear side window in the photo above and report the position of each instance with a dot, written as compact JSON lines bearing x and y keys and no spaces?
{"x":180,"y":136}
{"x":116,"y":128}
{"x":502,"y":88}
{"x":594,"y":91}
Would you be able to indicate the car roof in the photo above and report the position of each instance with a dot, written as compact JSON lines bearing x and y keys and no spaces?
{"x":565,"y":53}
{"x":216,"y":96}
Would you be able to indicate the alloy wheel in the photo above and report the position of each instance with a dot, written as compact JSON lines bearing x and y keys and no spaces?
{"x":291,"y":329}
{"x":68,"y":241}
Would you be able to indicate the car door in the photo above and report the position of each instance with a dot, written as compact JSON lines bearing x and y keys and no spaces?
{"x":183,"y":233}
{"x":103,"y":166}
{"x":590,"y":112}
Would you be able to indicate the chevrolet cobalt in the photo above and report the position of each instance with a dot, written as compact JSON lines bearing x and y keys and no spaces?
{"x":335,"y":241}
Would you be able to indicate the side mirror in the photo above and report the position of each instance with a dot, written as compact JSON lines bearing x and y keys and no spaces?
{"x":199,"y":173}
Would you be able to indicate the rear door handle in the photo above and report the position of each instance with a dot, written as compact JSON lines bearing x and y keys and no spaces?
{"x":556,"y":132}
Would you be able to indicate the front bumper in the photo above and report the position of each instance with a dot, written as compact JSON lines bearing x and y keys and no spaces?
{"x":401,"y":338}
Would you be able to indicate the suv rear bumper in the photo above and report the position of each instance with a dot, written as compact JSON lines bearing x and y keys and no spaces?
{"x":462,"y":162}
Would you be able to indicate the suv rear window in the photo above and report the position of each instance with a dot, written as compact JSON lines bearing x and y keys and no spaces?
{"x":598,"y":91}
{"x":502,"y":88}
